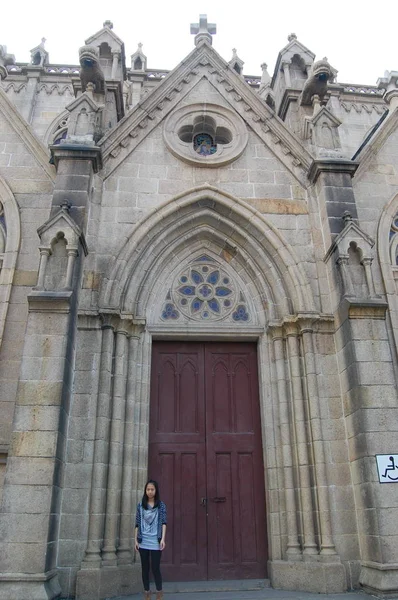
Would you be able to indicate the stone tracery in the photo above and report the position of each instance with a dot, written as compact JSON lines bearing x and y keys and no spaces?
{"x":205,"y":291}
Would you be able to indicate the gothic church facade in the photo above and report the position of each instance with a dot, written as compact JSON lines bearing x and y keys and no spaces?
{"x":198,"y":283}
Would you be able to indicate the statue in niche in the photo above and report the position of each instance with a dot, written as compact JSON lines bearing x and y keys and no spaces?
{"x":82,"y":123}
{"x":57,"y":264}
{"x":327,"y":139}
{"x":357,"y":271}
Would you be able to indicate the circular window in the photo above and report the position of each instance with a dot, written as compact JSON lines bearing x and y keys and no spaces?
{"x":205,"y":134}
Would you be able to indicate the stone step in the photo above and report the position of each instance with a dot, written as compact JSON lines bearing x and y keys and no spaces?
{"x":215,"y":586}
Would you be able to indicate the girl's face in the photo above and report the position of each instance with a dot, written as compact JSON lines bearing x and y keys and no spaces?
{"x":150,"y":491}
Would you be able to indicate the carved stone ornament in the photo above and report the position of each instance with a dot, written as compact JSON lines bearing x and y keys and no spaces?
{"x":205,"y":135}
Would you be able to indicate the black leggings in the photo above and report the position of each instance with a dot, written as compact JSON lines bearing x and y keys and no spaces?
{"x":151,"y":558}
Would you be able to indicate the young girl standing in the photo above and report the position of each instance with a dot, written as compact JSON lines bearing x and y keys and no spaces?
{"x":150,"y":536}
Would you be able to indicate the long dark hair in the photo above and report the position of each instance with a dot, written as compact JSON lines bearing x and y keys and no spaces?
{"x":144,"y":501}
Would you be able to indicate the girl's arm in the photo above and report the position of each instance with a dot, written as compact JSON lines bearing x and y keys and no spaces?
{"x":136,"y":544}
{"x":163,"y":540}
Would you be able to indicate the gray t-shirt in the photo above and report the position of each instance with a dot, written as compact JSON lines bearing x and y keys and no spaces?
{"x":149,"y":528}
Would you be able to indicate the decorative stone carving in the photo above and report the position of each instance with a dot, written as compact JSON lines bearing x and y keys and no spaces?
{"x":5,"y":60}
{"x":205,"y":135}
{"x":353,"y":249}
{"x":60,"y":239}
{"x":84,"y":125}
{"x":138,"y":60}
{"x":39,"y":55}
{"x":322,"y":131}
{"x":236,"y":63}
{"x":91,"y":71}
{"x":317,"y":82}
{"x":389,"y":83}
{"x":203,"y":30}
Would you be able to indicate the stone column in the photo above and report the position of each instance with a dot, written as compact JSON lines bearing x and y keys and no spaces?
{"x":115,"y":63}
{"x":348,"y":288}
{"x":101,"y":452}
{"x":302,"y":442}
{"x":367,"y":265}
{"x":333,"y":194}
{"x":124,"y":552}
{"x":116,"y":448}
{"x":317,"y":439}
{"x":293,"y":545}
{"x":286,"y":72}
{"x":30,"y":517}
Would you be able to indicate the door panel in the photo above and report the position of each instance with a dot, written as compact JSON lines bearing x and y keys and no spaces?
{"x":177,"y":455}
{"x":205,"y":442}
{"x":236,"y":525}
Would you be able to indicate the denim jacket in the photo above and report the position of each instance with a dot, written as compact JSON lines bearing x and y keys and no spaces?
{"x":161,"y":521}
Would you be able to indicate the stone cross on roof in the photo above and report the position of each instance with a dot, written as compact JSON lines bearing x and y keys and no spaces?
{"x":203,"y":29}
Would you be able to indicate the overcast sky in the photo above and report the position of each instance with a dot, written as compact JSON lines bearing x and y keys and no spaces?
{"x":360,"y":38}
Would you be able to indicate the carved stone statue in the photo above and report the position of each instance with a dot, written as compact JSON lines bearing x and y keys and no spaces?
{"x":317,"y":82}
{"x":91,"y":71}
{"x":5,"y":60}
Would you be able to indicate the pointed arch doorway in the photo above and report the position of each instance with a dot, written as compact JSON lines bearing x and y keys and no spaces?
{"x":205,"y":450}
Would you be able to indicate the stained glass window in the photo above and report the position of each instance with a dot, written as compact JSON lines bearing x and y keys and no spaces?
{"x":203,"y":144}
{"x":204,"y":291}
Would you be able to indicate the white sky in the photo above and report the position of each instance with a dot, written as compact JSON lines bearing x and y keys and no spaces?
{"x":359,"y":37}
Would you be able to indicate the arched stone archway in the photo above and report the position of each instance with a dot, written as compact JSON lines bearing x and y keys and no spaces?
{"x":387,"y":240}
{"x":11,"y":242}
{"x":207,"y":224}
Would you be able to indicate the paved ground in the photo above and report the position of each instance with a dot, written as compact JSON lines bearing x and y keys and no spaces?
{"x":264,"y":594}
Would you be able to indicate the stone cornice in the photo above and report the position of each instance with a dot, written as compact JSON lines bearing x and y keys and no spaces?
{"x":20,"y":126}
{"x":77,"y":152}
{"x":331,"y":166}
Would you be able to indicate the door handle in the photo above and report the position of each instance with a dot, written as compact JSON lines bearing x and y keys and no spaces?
{"x":219,"y":499}
{"x":203,"y":502}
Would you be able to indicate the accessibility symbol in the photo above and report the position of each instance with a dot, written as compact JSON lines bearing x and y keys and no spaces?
{"x":387,"y":467}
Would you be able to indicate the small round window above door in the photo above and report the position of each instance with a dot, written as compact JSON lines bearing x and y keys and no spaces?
{"x":205,"y":135}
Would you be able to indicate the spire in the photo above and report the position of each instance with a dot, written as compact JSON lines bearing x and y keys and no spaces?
{"x":39,"y":55}
{"x":236,"y":63}
{"x":203,"y":30}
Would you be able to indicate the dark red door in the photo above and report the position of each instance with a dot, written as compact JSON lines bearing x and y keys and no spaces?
{"x":205,"y":450}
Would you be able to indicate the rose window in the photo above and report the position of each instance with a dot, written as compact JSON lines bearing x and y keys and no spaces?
{"x":205,"y":292}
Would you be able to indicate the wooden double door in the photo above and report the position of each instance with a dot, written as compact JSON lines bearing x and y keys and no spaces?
{"x":205,"y":451}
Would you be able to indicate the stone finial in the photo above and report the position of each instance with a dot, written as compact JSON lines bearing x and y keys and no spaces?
{"x":66,"y":206}
{"x":108,"y":24}
{"x":138,"y":59}
{"x":291,"y":37}
{"x":236,"y":63}
{"x":203,"y":30}
{"x":39,"y":55}
{"x":347,"y":217}
{"x":389,"y":83}
{"x":265,"y":76}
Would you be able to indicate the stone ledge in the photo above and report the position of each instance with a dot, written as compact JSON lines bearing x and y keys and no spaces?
{"x":44,"y":301}
{"x":331,"y":166}
{"x":379,"y":579}
{"x":77,"y":152}
{"x":350,"y":308}
{"x":35,"y":586}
